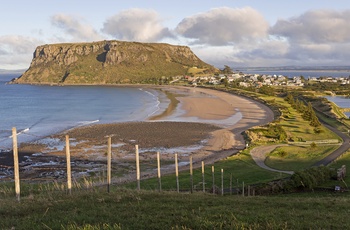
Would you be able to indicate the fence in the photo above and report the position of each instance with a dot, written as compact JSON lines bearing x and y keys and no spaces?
{"x":232,"y":187}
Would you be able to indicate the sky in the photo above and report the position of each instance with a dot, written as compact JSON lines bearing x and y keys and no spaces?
{"x":237,"y":33}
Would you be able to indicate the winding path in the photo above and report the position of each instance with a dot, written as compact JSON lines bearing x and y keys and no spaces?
{"x":259,"y":153}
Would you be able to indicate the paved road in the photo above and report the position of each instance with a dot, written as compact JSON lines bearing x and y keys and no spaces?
{"x":259,"y":153}
{"x":338,"y":152}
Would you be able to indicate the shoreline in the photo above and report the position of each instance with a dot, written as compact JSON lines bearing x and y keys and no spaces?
{"x":210,"y":117}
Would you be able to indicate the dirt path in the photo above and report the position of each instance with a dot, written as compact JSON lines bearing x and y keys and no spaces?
{"x":259,"y":155}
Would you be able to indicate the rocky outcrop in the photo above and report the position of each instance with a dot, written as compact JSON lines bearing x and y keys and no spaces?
{"x":109,"y":62}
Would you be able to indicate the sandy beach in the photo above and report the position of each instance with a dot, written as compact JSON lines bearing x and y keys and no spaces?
{"x":204,"y":123}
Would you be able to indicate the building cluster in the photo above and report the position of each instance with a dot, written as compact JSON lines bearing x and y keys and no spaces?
{"x":256,"y":80}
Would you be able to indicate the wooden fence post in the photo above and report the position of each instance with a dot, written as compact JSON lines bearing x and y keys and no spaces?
{"x":16,"y":165}
{"x":69,"y":172}
{"x":243,"y":188}
{"x":191,"y":173}
{"x":137,"y":167}
{"x":109,"y":164}
{"x":213,"y":175}
{"x":231,"y":184}
{"x":159,"y":176}
{"x":222,"y":182}
{"x":177,"y":174}
{"x":203,"y":179}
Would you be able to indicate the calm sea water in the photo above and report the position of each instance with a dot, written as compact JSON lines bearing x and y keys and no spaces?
{"x":38,"y":111}
{"x":341,"y":101}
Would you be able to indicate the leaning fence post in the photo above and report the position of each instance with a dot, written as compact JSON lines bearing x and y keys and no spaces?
{"x":16,"y":165}
{"x":109,"y":164}
{"x":159,"y":178}
{"x":137,"y":166}
{"x":191,"y":173}
{"x":213,"y":175}
{"x":203,"y":179}
{"x":222,"y":182}
{"x":177,"y":173}
{"x":69,"y":172}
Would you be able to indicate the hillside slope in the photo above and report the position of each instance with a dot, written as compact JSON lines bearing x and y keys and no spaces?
{"x":109,"y":62}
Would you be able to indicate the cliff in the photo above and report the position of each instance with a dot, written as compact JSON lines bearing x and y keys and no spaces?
{"x":109,"y":62}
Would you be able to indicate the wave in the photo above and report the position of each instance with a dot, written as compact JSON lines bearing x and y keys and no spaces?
{"x":20,"y":132}
{"x":157,"y":106}
{"x":82,"y":123}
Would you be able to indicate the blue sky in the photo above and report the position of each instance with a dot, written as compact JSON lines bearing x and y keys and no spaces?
{"x":221,"y":32}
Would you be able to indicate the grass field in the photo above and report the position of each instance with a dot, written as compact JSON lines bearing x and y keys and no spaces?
{"x":129,"y":209}
{"x":296,"y":158}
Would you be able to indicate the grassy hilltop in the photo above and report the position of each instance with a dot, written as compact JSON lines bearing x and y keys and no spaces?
{"x":110,"y":62}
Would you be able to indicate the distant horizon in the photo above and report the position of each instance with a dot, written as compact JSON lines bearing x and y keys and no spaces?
{"x":241,"y":68}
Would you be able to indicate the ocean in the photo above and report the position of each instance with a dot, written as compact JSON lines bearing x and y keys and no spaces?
{"x":38,"y":111}
{"x":341,"y":101}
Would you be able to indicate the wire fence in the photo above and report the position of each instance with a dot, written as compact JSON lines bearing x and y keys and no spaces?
{"x":205,"y":178}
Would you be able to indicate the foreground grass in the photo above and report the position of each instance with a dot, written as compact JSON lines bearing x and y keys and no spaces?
{"x":129,"y":209}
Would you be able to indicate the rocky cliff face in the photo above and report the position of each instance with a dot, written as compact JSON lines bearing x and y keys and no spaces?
{"x":109,"y":62}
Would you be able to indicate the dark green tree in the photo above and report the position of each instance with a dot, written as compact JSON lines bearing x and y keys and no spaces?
{"x":227,"y":70}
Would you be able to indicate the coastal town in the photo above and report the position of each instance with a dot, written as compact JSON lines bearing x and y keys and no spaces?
{"x":257,"y":80}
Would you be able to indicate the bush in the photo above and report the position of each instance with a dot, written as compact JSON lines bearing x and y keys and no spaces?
{"x":310,"y":178}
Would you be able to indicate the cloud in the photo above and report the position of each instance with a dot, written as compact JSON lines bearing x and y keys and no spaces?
{"x":16,"y":51}
{"x":321,"y":26}
{"x":75,"y":28}
{"x":136,"y":25}
{"x":224,"y":26}
{"x":319,"y":37}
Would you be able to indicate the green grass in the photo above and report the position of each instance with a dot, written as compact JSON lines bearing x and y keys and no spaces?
{"x":126,"y":209}
{"x":296,"y":158}
{"x":240,"y":167}
{"x":343,"y":160}
{"x":295,"y":126}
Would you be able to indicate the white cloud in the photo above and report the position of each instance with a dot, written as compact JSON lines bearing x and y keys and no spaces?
{"x":75,"y":28}
{"x":320,"y":37}
{"x":16,"y":51}
{"x":322,"y":26}
{"x":136,"y":25}
{"x":223,"y":26}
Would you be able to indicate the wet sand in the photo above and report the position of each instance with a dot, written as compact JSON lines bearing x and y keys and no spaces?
{"x":204,"y":123}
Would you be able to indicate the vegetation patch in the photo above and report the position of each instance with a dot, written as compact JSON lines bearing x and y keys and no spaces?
{"x":295,"y":158}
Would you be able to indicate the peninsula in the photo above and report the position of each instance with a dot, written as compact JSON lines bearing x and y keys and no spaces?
{"x":110,"y":62}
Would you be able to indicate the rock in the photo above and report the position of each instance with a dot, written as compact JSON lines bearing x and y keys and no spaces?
{"x":109,"y":62}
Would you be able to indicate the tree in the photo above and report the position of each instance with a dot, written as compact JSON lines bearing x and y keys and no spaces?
{"x":267,"y":90}
{"x":227,"y":70}
{"x":310,"y":115}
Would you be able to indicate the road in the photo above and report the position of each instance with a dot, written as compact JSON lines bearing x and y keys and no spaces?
{"x":259,"y":153}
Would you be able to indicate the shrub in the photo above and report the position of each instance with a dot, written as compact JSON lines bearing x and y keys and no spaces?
{"x":310,"y":178}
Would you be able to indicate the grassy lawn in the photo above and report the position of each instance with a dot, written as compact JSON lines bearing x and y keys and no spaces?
{"x":296,"y":127}
{"x":296,"y":158}
{"x":129,"y":209}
